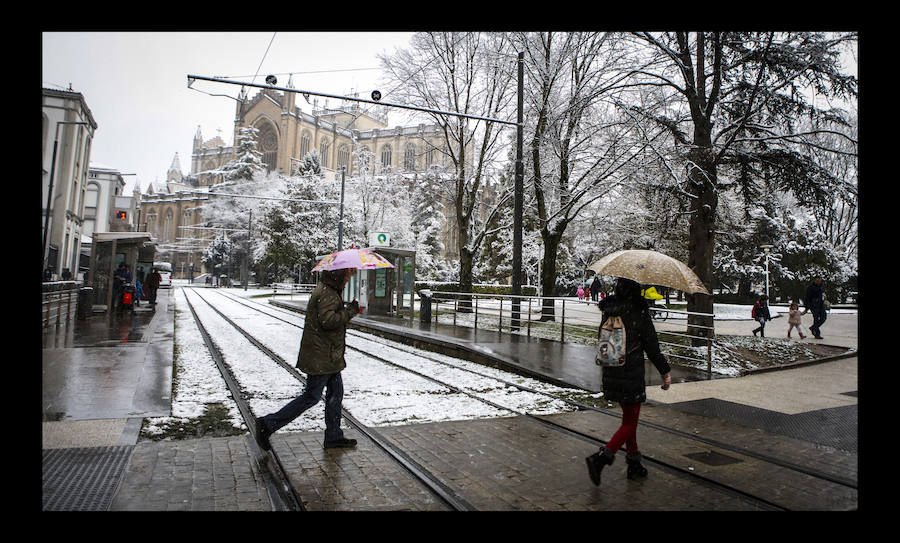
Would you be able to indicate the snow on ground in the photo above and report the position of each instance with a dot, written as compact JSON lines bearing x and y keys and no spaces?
{"x":377,"y":394}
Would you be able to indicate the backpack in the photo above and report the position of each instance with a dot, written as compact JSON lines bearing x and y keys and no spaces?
{"x":611,"y":343}
{"x":753,"y":311}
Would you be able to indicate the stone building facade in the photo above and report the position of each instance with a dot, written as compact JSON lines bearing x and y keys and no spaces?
{"x":350,"y":135}
{"x":64,"y":181}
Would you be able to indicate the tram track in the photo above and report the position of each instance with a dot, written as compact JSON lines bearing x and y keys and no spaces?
{"x":780,"y":462}
{"x":430,"y":481}
{"x":448,"y":494}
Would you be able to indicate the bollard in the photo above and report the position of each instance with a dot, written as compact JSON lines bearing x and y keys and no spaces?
{"x":425,"y":306}
{"x":85,"y":302}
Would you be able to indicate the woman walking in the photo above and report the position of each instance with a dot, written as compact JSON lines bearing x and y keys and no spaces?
{"x":625,"y":384}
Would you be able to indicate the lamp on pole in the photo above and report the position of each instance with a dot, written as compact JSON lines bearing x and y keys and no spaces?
{"x":50,"y":191}
{"x":767,"y":249}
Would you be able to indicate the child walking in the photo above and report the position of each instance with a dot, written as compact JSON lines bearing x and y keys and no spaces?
{"x":794,"y":320}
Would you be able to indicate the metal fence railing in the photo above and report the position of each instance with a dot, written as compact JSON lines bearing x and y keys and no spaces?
{"x":565,"y":319}
{"x":59,"y":302}
{"x":292,"y":288}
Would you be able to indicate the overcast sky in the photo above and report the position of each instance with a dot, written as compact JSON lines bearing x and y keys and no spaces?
{"x":135,"y":83}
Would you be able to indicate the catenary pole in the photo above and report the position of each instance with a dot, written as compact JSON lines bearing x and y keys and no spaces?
{"x":341,"y":217}
{"x":518,"y":203}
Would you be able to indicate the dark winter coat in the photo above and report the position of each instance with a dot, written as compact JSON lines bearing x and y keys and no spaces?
{"x":153,"y":280}
{"x":322,"y":344}
{"x":815,"y":299}
{"x":761,"y":311}
{"x":625,"y":384}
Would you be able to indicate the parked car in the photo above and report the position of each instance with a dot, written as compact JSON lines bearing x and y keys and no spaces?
{"x":165,"y":271}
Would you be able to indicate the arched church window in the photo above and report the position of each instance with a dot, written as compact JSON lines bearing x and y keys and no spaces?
{"x":168,"y":227}
{"x":409,"y":159}
{"x":268,"y":146}
{"x":344,"y":157}
{"x":323,"y":152}
{"x":386,"y":157}
{"x":304,"y":144}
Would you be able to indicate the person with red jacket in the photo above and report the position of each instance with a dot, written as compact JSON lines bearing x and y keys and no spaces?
{"x":760,"y":314}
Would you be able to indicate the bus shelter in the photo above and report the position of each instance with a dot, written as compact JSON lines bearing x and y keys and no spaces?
{"x":108,"y":250}
{"x":389,"y":291}
{"x":385,"y":291}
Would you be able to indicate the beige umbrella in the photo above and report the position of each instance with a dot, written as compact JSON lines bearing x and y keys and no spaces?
{"x":650,"y":268}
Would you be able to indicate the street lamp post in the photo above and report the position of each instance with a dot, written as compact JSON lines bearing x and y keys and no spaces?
{"x":767,"y":249}
{"x":50,"y":191}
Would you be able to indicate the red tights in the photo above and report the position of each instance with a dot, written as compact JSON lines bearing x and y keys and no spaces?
{"x":627,"y":433}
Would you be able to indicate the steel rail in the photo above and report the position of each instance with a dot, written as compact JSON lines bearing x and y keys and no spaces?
{"x":283,"y":496}
{"x":582,"y":406}
{"x":447,"y":494}
{"x":706,"y":481}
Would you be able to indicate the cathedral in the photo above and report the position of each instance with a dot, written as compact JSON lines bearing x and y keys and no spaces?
{"x":352,"y":135}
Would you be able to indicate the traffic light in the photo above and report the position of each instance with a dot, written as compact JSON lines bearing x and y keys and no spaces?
{"x":121,"y":215}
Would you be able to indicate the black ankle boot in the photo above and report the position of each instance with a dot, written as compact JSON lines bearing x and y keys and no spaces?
{"x":635,"y":469}
{"x":596,"y":462}
{"x":261,"y":433}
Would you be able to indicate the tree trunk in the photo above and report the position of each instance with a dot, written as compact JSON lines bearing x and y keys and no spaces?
{"x":744,"y":286}
{"x":702,"y":231}
{"x":548,"y":274}
{"x":466,"y":257}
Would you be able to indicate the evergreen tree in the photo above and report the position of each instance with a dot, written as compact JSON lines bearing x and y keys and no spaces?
{"x":248,"y":160}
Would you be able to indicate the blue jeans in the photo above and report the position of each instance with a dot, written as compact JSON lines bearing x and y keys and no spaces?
{"x":315,"y":384}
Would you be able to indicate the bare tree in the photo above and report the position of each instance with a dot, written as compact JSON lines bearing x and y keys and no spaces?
{"x":472,"y":74}
{"x":580,"y":147}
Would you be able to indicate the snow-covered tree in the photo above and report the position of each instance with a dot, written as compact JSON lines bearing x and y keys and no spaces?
{"x":248,"y":160}
{"x":467,"y":73}
{"x":734,"y":102}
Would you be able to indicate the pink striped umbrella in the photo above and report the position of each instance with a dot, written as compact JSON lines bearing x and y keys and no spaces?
{"x":361,"y":259}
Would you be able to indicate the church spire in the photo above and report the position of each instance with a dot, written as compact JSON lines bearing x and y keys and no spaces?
{"x":176,"y":165}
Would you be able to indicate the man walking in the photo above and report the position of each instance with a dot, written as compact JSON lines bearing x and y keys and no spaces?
{"x":321,"y":358}
{"x":153,"y":281}
{"x":814,"y":303}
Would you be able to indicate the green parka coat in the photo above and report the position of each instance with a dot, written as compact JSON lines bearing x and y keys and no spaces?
{"x":322,"y":344}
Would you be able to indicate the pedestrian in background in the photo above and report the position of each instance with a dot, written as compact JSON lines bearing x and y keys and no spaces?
{"x":138,"y":292}
{"x":760,"y":314}
{"x":625,"y":384}
{"x":120,"y":279}
{"x":153,"y":281}
{"x":580,"y":292}
{"x":794,"y":320}
{"x":595,"y":288}
{"x":814,"y":303}
{"x":321,"y":358}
